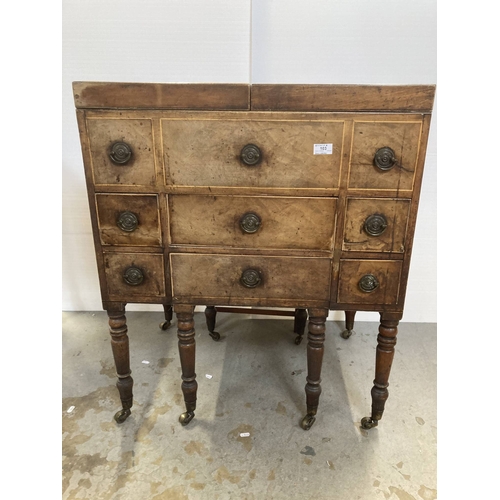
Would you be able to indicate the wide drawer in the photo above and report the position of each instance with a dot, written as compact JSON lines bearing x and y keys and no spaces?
{"x":375,"y":225}
{"x":130,"y":275}
{"x":252,"y":221}
{"x":228,"y":279}
{"x":122,"y":151}
{"x":128,"y":219}
{"x":369,"y":281}
{"x":252,"y":153}
{"x":384,"y":154}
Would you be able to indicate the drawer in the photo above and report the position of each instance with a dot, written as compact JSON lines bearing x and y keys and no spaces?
{"x":252,"y":221}
{"x":369,"y":281}
{"x":229,"y":279}
{"x":130,"y":275}
{"x":122,"y":151}
{"x":278,"y":153}
{"x":375,"y":225}
{"x":384,"y":155}
{"x":128,"y":219}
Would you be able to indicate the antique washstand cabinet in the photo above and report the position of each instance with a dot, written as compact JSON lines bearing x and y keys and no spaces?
{"x":275,"y":196}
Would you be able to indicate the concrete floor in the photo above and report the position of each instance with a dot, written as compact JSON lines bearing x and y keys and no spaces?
{"x":257,"y":387}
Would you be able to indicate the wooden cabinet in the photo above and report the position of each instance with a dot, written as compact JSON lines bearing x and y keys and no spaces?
{"x":290,"y":196}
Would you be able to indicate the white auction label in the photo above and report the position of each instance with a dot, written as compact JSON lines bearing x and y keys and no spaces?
{"x":323,"y":149}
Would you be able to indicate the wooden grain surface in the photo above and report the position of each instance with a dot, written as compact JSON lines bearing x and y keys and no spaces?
{"x":368,"y":137}
{"x":201,"y":96}
{"x":293,"y":97}
{"x":195,"y":277}
{"x":144,"y":207}
{"x":386,"y":272}
{"x":287,"y":223}
{"x":202,"y":152}
{"x":391,"y":240}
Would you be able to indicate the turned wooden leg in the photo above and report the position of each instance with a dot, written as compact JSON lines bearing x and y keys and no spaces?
{"x":167,"y":308}
{"x":299,"y":324}
{"x":349,"y":324}
{"x":386,"y":341}
{"x":186,"y":333}
{"x":120,"y":347}
{"x":210,"y":315}
{"x":315,"y":349}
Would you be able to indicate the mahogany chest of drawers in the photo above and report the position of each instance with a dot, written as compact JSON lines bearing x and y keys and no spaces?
{"x":289,"y":196}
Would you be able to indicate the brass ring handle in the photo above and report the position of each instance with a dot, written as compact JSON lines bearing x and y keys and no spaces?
{"x":375,"y":224}
{"x":120,"y":153}
{"x":250,"y":278}
{"x":251,"y":155}
{"x":368,"y":283}
{"x":133,"y":276}
{"x":385,"y":158}
{"x":127,"y":221}
{"x":250,"y":222}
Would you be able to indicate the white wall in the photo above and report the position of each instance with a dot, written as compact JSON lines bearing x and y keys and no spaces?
{"x":292,"y":41}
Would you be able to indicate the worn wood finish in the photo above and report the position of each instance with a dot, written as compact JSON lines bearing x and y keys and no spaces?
{"x":368,"y":138}
{"x":204,"y":96}
{"x":206,"y":152}
{"x":120,"y":347}
{"x":146,"y":210}
{"x":387,"y":272}
{"x":216,"y":220}
{"x":285,"y":278}
{"x":188,"y":187}
{"x":392,"y":239}
{"x":151,"y":265}
{"x":138,"y":134}
{"x":293,"y":97}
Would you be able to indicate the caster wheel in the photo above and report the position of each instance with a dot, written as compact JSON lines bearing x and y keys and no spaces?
{"x":164,"y":325}
{"x":298,"y":339}
{"x":215,"y":335}
{"x":307,"y":422}
{"x":368,"y":423}
{"x":186,"y":417}
{"x":346,"y":334}
{"x":121,"y":416}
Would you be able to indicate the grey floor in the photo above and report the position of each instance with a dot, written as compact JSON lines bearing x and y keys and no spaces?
{"x":256,"y":387}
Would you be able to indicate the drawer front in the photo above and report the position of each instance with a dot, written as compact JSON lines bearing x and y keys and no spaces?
{"x":131,"y":275}
{"x":229,"y":278}
{"x":122,"y":151}
{"x":384,"y":155}
{"x":375,"y":225}
{"x":212,"y":153}
{"x":128,"y":219}
{"x":252,"y":221}
{"x":369,"y":281}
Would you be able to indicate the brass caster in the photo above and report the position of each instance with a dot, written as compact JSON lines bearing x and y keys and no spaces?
{"x":186,"y":417}
{"x":368,"y":423}
{"x":164,"y":325}
{"x":307,"y":422}
{"x":298,"y":339}
{"x":121,"y":416}
{"x":346,"y":334}
{"x":215,"y":335}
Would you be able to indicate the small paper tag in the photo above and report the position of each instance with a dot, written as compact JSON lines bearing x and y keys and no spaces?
{"x":208,"y":376}
{"x":145,"y":362}
{"x":244,"y":434}
{"x":323,"y":149}
{"x":70,"y":409}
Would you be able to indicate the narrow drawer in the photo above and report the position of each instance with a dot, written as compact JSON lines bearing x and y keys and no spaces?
{"x":131,"y":275}
{"x":252,"y":221}
{"x":122,"y":151}
{"x":375,"y":225}
{"x":268,"y":153}
{"x":128,"y":219}
{"x":369,"y":281}
{"x":384,"y":155}
{"x":231,"y":279}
